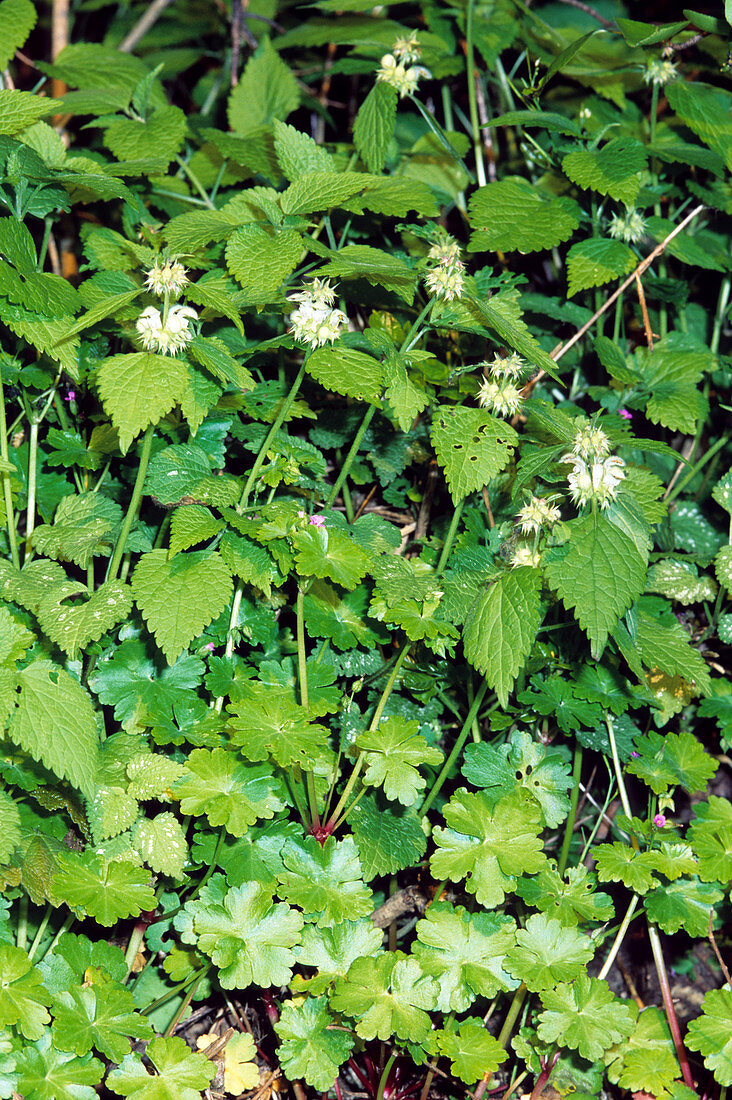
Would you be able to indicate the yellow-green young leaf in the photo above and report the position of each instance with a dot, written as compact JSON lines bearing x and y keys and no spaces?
{"x":17,"y":20}
{"x":324,"y":880}
{"x":374,"y":126}
{"x":705,"y":110}
{"x":19,"y":110}
{"x":212,"y":296}
{"x":228,"y":792}
{"x":161,"y":843}
{"x":310,"y":1046}
{"x":177,"y":1072}
{"x":711,"y":1034}
{"x":387,"y":996}
{"x":84,"y":525}
{"x":178,"y":598}
{"x":191,"y":524}
{"x":160,"y":136}
{"x":613,"y":170}
{"x":108,"y":892}
{"x":515,"y":215}
{"x":111,"y":812}
{"x":404,"y":396}
{"x":47,"y":336}
{"x":501,"y":628}
{"x":267,"y":90}
{"x":671,"y":372}
{"x":347,"y":371}
{"x":394,"y":752}
{"x":320,"y":190}
{"x":472,"y":446}
{"x":9,"y":816}
{"x":28,"y":586}
{"x":472,"y":1050}
{"x":23,"y":996}
{"x":297,"y":153}
{"x":54,"y":721}
{"x":261,"y":260}
{"x":680,"y":581}
{"x":596,"y":261}
{"x":586,"y":1015}
{"x":137,"y":389}
{"x":645,"y":1060}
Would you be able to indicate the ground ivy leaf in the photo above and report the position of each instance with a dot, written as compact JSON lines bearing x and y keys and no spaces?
{"x":394,"y":752}
{"x":49,"y":1074}
{"x":618,"y":862}
{"x":332,"y":950}
{"x":325,"y":879}
{"x":465,"y":953}
{"x":229,"y":793}
{"x":546,"y":952}
{"x":387,"y":996}
{"x":309,"y":1047}
{"x":138,"y":389}
{"x":23,"y":996}
{"x":472,"y":446}
{"x":544,"y":774}
{"x":473,"y":1051}
{"x":711,"y":1035}
{"x":488,"y":843}
{"x":389,"y":837}
{"x":501,"y":628}
{"x":571,"y":898}
{"x":686,"y":903}
{"x":179,"y":1074}
{"x":102,"y":1015}
{"x":105,"y":891}
{"x":180,"y":597}
{"x":246,"y":935}
{"x":711,"y":839}
{"x":586,"y":1016}
{"x":677,"y":759}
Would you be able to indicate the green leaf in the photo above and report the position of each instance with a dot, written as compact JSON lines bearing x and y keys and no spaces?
{"x":502,"y":315}
{"x":679,"y":581}
{"x":395,"y":198}
{"x":545,"y":120}
{"x":332,"y":950}
{"x":513,"y":214}
{"x":705,"y":109}
{"x":686,"y":904}
{"x":9,"y":816}
{"x":473,"y":1051}
{"x":325,"y":880}
{"x":546,"y":952}
{"x":394,"y":752}
{"x":247,"y":936}
{"x":179,"y":598}
{"x":405,"y":397}
{"x":272,"y":723}
{"x":711,"y":838}
{"x":488,"y":844}
{"x":671,"y":372}
{"x":55,"y":722}
{"x":596,"y":261}
{"x":465,"y":953}
{"x":71,"y":625}
{"x":387,"y":996}
{"x":16,"y":240}
{"x":18,"y":110}
{"x":49,"y":1074}
{"x":613,"y":170}
{"x":572,"y":898}
{"x":341,"y":619}
{"x":179,"y":1074}
{"x":662,"y":643}
{"x":111,"y":812}
{"x":310,"y":1047}
{"x":261,"y":260}
{"x":23,"y":996}
{"x":69,"y":449}
{"x":472,"y":446}
{"x":347,"y":371}
{"x":328,"y":552}
{"x":137,"y":389}
{"x":374,"y":126}
{"x":110,"y":304}
{"x":676,"y":760}
{"x":389,"y":838}
{"x":17,"y":20}
{"x":586,"y":1016}
{"x":602,"y":569}
{"x":645,"y":1060}
{"x":190,"y":525}
{"x":83,"y":526}
{"x":266,"y":90}
{"x":100,"y":1015}
{"x":618,"y":862}
{"x":297,"y":153}
{"x":105,"y":891}
{"x":176,"y":472}
{"x":319,"y":190}
{"x":161,"y":843}
{"x":229,"y":793}
{"x":711,"y":1035}
{"x":377,"y":267}
{"x":501,"y":628}
{"x":542,"y":773}
{"x":48,"y":336}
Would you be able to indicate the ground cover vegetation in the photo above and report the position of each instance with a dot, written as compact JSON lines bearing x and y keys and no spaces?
{"x":366,"y":505}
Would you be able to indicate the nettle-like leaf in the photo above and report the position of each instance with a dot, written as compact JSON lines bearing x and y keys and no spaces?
{"x":389,"y":837}
{"x":105,"y":891}
{"x":612,"y":170}
{"x":597,"y":261}
{"x":10,"y":828}
{"x":711,"y":1035}
{"x":544,"y":774}
{"x":101,"y":1016}
{"x":472,"y":446}
{"x":585,"y":1016}
{"x":110,"y":812}
{"x":309,"y":1045}
{"x":514,"y":214}
{"x":179,"y":1074}
{"x":710,"y":836}
{"x":394,"y":752}
{"x":472,"y":1050}
{"x":571,"y":898}
{"x":374,"y":125}
{"x":671,"y":372}
{"x":488,"y":843}
{"x":72,"y":623}
{"x":501,"y":628}
{"x":231,"y":794}
{"x":332,"y":950}
{"x":325,"y":880}
{"x":261,"y":259}
{"x":23,"y":997}
{"x":139,"y":388}
{"x":546,"y":952}
{"x":388,"y":996}
{"x":161,"y":843}
{"x":178,"y":598}
{"x":50,"y":1074}
{"x":465,"y":953}
{"x":678,"y":581}
{"x":151,"y":775}
{"x":675,"y":760}
{"x":246,"y":935}
{"x":83,"y":526}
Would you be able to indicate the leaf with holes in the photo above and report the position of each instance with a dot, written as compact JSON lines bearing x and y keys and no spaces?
{"x":472,"y":446}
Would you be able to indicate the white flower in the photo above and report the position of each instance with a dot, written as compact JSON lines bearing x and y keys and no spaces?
{"x":590,"y":442}
{"x":319,"y":294}
{"x":403,"y":79}
{"x":446,"y":252}
{"x":659,"y":72}
{"x":598,"y":481}
{"x":512,"y":366}
{"x":525,"y":555}
{"x":168,"y":338}
{"x":629,"y":227}
{"x":536,"y":514}
{"x":585,"y":113}
{"x":407,"y":49}
{"x":316,"y":326}
{"x":168,"y":277}
{"x":501,"y":397}
{"x":445,"y":281}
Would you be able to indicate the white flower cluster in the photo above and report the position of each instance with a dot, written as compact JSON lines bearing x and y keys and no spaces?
{"x":629,"y":227}
{"x":595,"y":474}
{"x":524,"y":554}
{"x":315,"y":322}
{"x":397,"y":67}
{"x":169,"y":337}
{"x":445,"y":280}
{"x":659,"y":72}
{"x":536,"y":514}
{"x":168,"y":277}
{"x":499,"y":392}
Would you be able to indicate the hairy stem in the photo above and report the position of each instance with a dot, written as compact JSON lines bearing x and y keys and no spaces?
{"x":354,"y":449}
{"x":7,"y":491}
{"x":134,"y":504}
{"x":574,"y":797}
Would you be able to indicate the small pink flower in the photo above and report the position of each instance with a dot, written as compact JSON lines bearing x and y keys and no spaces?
{"x":70,"y":396}
{"x":659,"y":821}
{"x":625,"y":414}
{"x":210,"y":646}
{"x":635,"y":755}
{"x":317,"y":521}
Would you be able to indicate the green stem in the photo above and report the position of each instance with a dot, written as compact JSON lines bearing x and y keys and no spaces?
{"x":456,"y":750}
{"x":722,"y":301}
{"x":134,"y":504}
{"x":301,"y":658}
{"x":617,"y":942}
{"x":196,"y":183}
{"x":211,"y":867}
{"x":64,"y":928}
{"x":30,"y":520}
{"x":7,"y":491}
{"x":472,"y":100}
{"x":358,"y":439}
{"x":410,"y":337}
{"x":721,"y":442}
{"x":192,"y":979}
{"x":668,"y":1004}
{"x":41,"y":931}
{"x":450,"y":536}
{"x":512,"y":1015}
{"x":276,"y":425}
{"x":134,"y":945}
{"x":618,"y":770}
{"x":385,"y":1076}
{"x":21,"y":938}
{"x":574,"y":797}
{"x":183,"y":1005}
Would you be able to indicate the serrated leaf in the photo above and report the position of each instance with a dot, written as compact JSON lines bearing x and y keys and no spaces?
{"x":472,"y":446}
{"x":676,"y":760}
{"x":327,"y":552}
{"x":711,"y":839}
{"x":105,"y":891}
{"x":513,"y":214}
{"x":297,"y":153}
{"x":266,"y":90}
{"x":388,"y":838}
{"x":645,"y":1060}
{"x":270,"y":722}
{"x":17,"y":20}
{"x":387,"y":996}
{"x":332,"y":950}
{"x":501,"y":628}
{"x":377,"y":267}
{"x":394,"y":751}
{"x":71,"y":624}
{"x":231,"y":794}
{"x":84,"y":525}
{"x":190,"y":525}
{"x":671,"y":372}
{"x":546,"y":952}
{"x":18,"y":110}
{"x":612,"y":170}
{"x":619,"y":862}
{"x":310,"y":1047}
{"x":374,"y":126}
{"x":261,"y":260}
{"x":176,"y":472}
{"x":137,"y":389}
{"x":320,"y":190}
{"x":705,"y":109}
{"x":179,"y":598}
{"x":324,"y":880}
{"x":571,"y":898}
{"x":161,"y":843}
{"x":347,"y":371}
{"x":110,"y":812}
{"x":586,"y":1015}
{"x":686,"y":903}
{"x":405,"y":397}
{"x":678,"y":581}
{"x":179,"y":1074}
{"x":597,"y":261}
{"x":9,"y":816}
